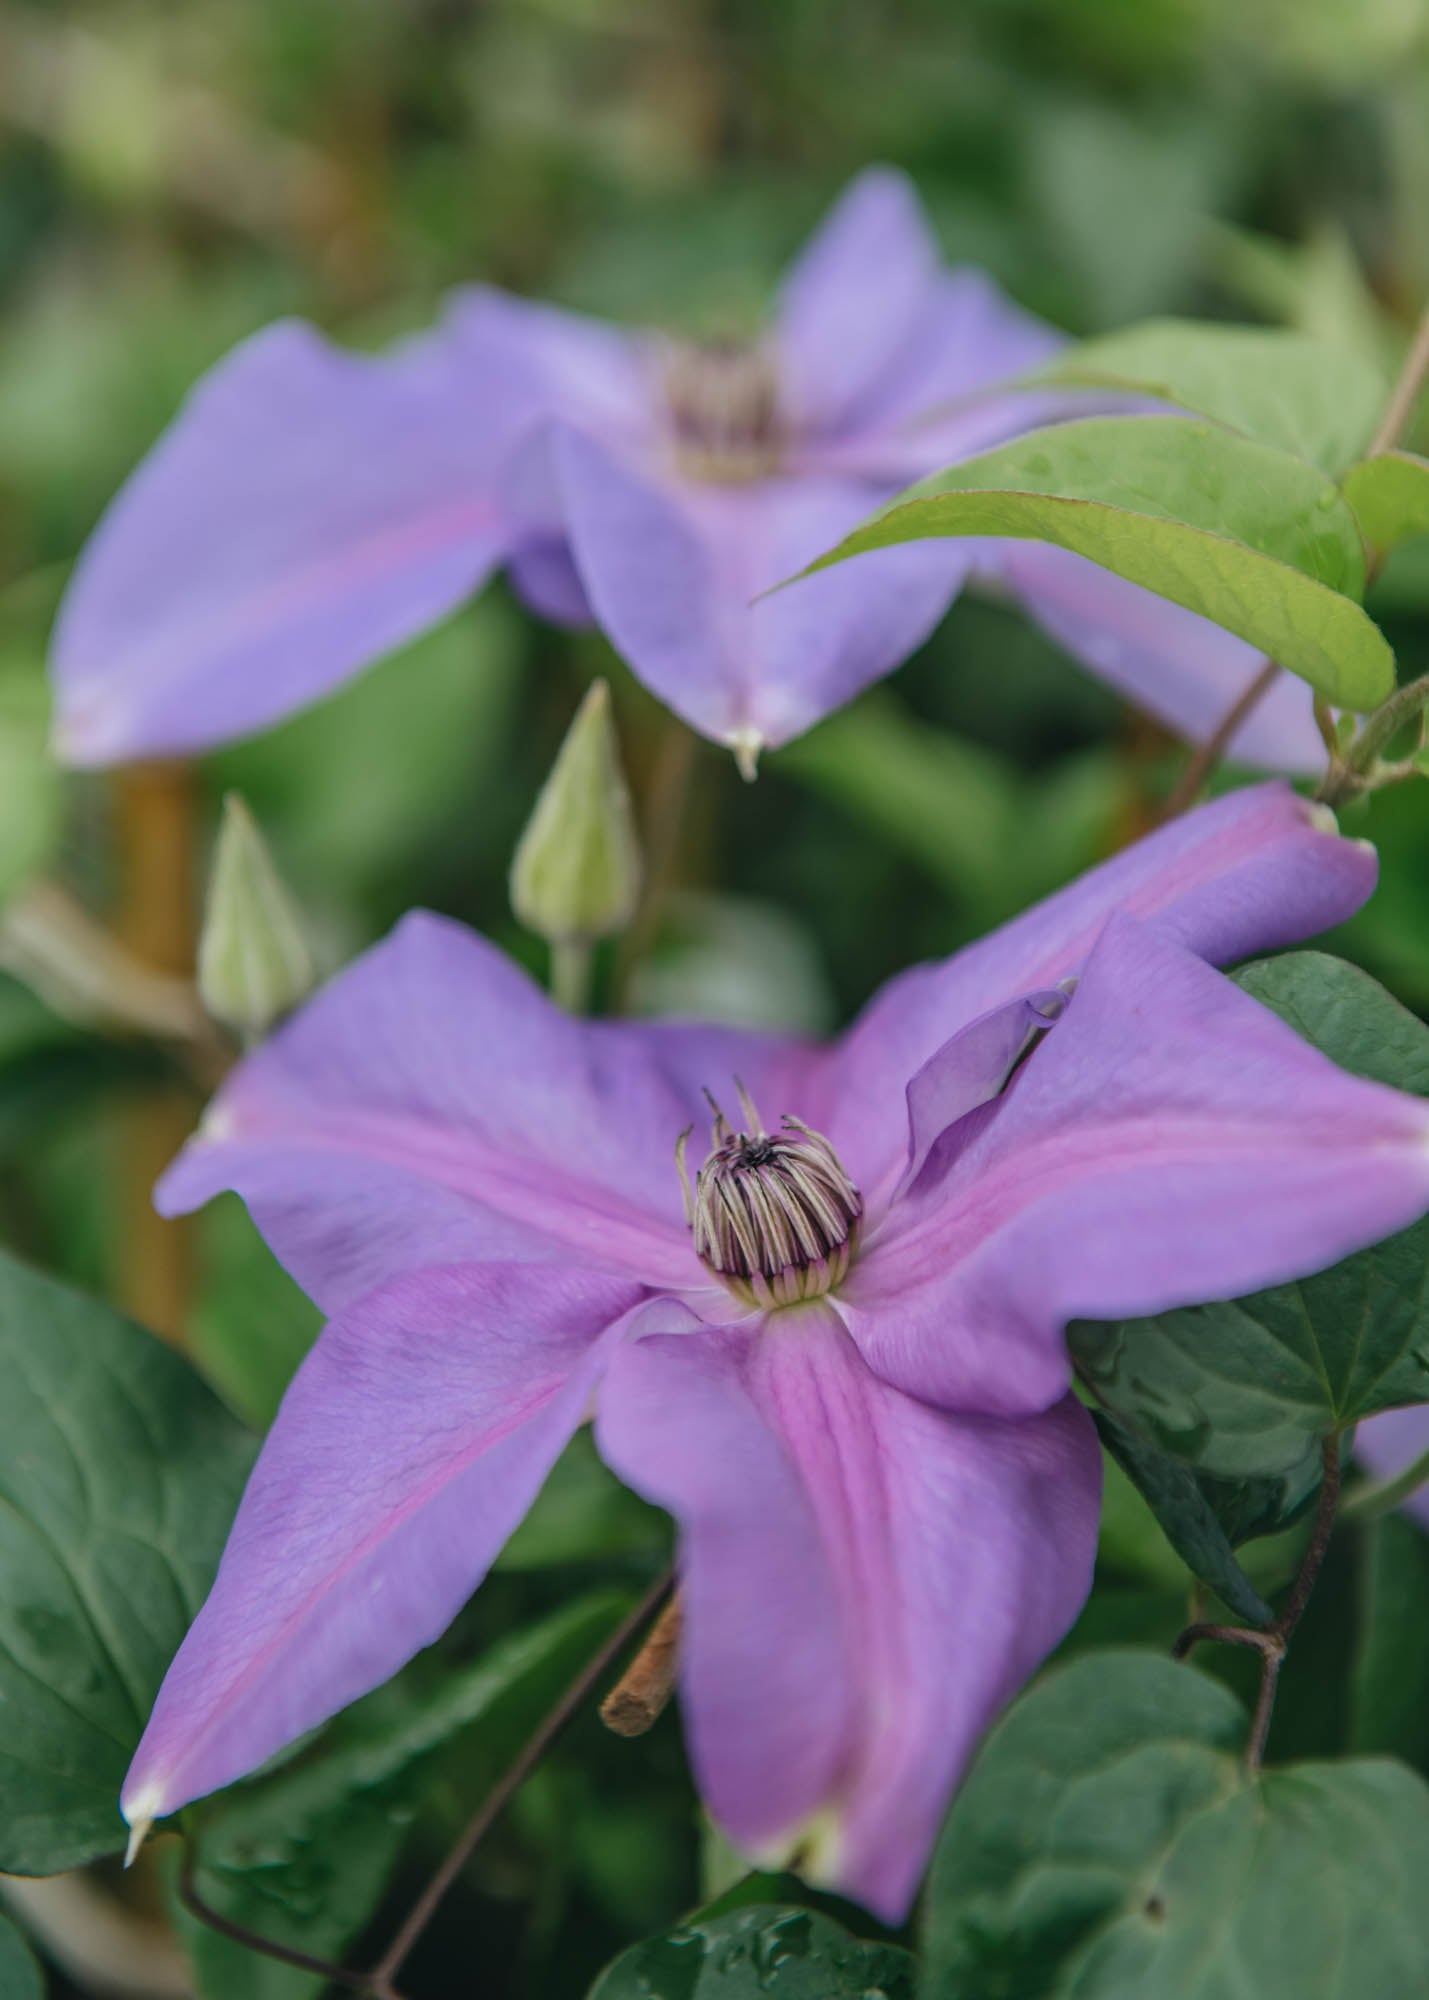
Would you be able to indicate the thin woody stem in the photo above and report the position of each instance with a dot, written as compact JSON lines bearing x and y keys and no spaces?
{"x":1407,"y":391}
{"x":639,"y":1698}
{"x":1219,"y":741}
{"x":1353,"y":773}
{"x":379,"y":1980}
{"x":337,"y":1975}
{"x":1274,"y":1641}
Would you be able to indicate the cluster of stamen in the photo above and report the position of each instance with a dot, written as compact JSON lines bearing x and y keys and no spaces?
{"x":723,"y":403}
{"x":773,"y":1214}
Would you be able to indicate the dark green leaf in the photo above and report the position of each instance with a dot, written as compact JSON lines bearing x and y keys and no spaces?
{"x":1390,"y":1692}
{"x":1187,"y":1516}
{"x":1284,"y":388}
{"x":119,"y":1474}
{"x":1390,"y":496}
{"x":1239,"y":1388}
{"x":1110,"y":1845}
{"x":1253,"y":539}
{"x":582,"y":1512}
{"x":20,"y":1976}
{"x":304,"y":1853}
{"x":753,"y":1952}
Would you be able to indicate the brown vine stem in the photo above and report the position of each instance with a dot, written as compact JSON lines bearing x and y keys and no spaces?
{"x":1210,"y":753}
{"x":379,"y":1980}
{"x":1273,"y":1643}
{"x":156,"y":821}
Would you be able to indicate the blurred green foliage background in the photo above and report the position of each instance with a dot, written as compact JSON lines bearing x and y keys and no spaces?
{"x":174,"y":173}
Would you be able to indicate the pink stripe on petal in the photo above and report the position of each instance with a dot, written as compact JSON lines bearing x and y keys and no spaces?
{"x":866,"y":1581}
{"x":412,"y":1441}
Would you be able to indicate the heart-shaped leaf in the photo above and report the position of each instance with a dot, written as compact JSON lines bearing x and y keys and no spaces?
{"x":758,"y":1953}
{"x":1109,"y":1845}
{"x":119,"y":1475}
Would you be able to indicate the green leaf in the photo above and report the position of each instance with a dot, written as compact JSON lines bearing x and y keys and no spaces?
{"x":119,"y":1475}
{"x":304,"y":1853}
{"x":1390,"y":1684}
{"x":1284,"y":388}
{"x":1110,"y":1845}
{"x":1239,"y":1388}
{"x":755,"y":1952}
{"x":1186,"y":1515}
{"x":20,"y":1975}
{"x":1251,"y":538}
{"x":1390,"y":497}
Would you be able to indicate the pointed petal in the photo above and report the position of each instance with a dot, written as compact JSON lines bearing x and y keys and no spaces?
{"x":307,"y":511}
{"x":1250,"y":872}
{"x":1169,"y":1142}
{"x":413,"y":1439}
{"x":1180,"y":668}
{"x":866,"y":1581}
{"x":672,"y":574}
{"x":970,"y":1068}
{"x":855,"y":296}
{"x":431,"y":1104}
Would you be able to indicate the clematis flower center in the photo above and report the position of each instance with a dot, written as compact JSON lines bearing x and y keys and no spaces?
{"x":723,"y":403}
{"x":773,"y":1214}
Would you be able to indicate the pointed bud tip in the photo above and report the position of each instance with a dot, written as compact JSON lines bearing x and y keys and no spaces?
{"x":576,"y":872}
{"x":140,"y":1828}
{"x":254,"y":965}
{"x":746,"y":745}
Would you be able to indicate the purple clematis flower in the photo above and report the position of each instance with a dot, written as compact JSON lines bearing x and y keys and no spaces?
{"x":310,"y":509}
{"x":836,"y":1358}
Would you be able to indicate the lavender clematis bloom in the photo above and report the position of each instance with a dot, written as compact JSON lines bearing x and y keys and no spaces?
{"x":846,"y":1381}
{"x":309,"y":510}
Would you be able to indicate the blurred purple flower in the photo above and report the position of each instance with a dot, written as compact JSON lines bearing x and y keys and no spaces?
{"x":311,"y":509}
{"x":887,"y":1496}
{"x":1390,"y":1443}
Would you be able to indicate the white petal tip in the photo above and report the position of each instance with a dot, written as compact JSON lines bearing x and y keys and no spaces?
{"x":746,"y":745}
{"x":1321,"y":817}
{"x":139,"y":1830}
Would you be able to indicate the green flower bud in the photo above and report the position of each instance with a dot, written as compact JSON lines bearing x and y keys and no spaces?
{"x":576,"y":875}
{"x":254,"y":965}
